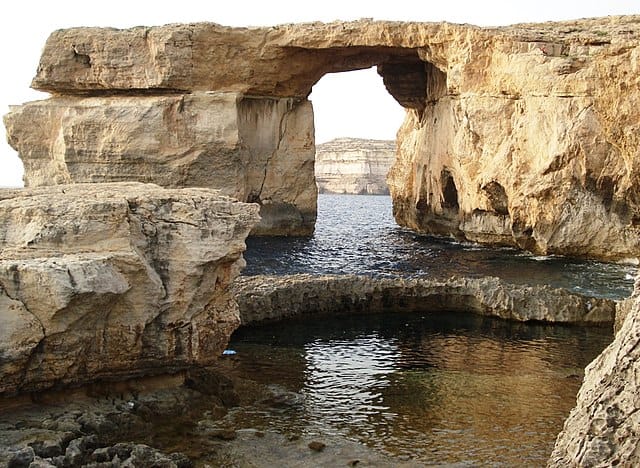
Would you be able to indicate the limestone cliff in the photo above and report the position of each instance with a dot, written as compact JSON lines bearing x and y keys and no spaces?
{"x":524,"y":135}
{"x":354,"y":165}
{"x":112,"y":281}
{"x":603,"y":428}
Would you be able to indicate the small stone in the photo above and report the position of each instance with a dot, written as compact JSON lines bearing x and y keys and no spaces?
{"x":22,"y":458}
{"x":317,"y":446}
{"x":353,"y":462}
{"x":259,"y":434}
{"x":224,"y":434}
{"x":293,"y":437}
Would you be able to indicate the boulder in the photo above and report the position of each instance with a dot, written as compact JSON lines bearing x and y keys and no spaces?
{"x":112,"y":281}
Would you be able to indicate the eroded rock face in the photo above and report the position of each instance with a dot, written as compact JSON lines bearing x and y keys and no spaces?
{"x":604,"y":427}
{"x":102,"y":281}
{"x":263,"y":298}
{"x":524,"y":135}
{"x":354,"y":165}
{"x":257,"y":150}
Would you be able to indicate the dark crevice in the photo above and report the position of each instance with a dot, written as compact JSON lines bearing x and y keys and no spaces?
{"x":449,"y":192}
{"x":128,"y":92}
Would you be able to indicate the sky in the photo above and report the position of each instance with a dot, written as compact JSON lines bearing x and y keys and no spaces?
{"x":351,"y":104}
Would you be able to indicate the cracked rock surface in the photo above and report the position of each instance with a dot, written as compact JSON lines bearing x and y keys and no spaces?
{"x":604,"y":427}
{"x":103,"y":281}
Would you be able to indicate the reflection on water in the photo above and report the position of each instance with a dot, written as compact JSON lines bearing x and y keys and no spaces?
{"x":440,"y":389}
{"x":357,"y":234}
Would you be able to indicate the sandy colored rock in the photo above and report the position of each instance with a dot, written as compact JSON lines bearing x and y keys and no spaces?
{"x":257,"y":150}
{"x":103,"y":281}
{"x":354,"y":165}
{"x":524,"y":135}
{"x":263,"y":298}
{"x":604,"y":427}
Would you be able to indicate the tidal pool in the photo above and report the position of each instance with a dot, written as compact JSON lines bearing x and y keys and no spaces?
{"x":435,"y":388}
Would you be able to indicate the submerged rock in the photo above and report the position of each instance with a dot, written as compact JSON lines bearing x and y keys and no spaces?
{"x":277,"y":297}
{"x":604,"y":427}
{"x":112,"y":281}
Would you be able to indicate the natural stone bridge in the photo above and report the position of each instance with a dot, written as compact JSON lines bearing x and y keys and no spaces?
{"x":524,"y":136}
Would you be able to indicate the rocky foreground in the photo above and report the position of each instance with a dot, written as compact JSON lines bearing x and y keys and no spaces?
{"x":354,"y":166}
{"x":114,"y":281}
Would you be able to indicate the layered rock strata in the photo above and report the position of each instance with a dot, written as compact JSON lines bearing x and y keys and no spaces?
{"x":524,"y":135}
{"x":604,"y":427}
{"x":256,"y":150}
{"x":111,"y":281}
{"x":354,"y":166}
{"x":263,"y":298}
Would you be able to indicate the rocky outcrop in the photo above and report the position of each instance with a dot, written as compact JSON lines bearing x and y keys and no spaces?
{"x":263,"y":298}
{"x":354,"y":165}
{"x":531,"y":143}
{"x":111,"y":281}
{"x":603,"y":428}
{"x":256,"y":150}
{"x":524,"y":135}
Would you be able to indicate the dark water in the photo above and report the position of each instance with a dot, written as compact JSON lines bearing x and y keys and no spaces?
{"x":436,"y":388}
{"x":357,"y":234}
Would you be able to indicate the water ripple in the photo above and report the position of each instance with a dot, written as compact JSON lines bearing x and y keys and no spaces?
{"x":357,"y":234}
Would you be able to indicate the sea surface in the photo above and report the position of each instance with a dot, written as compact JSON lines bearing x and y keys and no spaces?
{"x":357,"y":234}
{"x":433,"y":388}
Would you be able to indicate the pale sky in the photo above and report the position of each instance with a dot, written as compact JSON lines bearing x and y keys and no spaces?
{"x":347,"y":104}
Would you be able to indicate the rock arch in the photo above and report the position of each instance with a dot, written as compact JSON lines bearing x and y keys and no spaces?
{"x":546,"y":110}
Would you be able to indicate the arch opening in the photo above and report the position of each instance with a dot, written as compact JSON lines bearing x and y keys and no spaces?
{"x":355,"y":121}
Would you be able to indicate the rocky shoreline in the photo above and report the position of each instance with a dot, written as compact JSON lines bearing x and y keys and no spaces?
{"x":108,"y":424}
{"x":170,"y":422}
{"x":262,"y":298}
{"x":524,"y":136}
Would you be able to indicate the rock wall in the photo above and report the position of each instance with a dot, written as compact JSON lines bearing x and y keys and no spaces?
{"x":603,"y":428}
{"x":263,"y":298}
{"x":524,"y":135}
{"x":256,"y":150}
{"x":354,"y":165}
{"x":113,"y":281}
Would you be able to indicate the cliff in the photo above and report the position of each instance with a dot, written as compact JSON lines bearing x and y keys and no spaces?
{"x":353,"y":165}
{"x":114,"y":281}
{"x":524,"y":135}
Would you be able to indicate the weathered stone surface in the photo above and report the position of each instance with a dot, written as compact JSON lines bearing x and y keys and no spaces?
{"x":604,"y":427}
{"x":524,"y":135}
{"x":532,"y":143}
{"x":257,"y":150}
{"x":276,"y":297}
{"x":354,"y":165}
{"x":102,"y":281}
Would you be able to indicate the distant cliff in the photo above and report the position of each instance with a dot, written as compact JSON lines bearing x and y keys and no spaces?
{"x":353,"y":165}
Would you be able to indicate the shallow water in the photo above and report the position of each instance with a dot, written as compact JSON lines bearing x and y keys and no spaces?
{"x":357,"y":234}
{"x":436,"y":388}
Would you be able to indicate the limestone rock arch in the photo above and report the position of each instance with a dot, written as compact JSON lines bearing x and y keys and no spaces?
{"x":534,"y":125}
